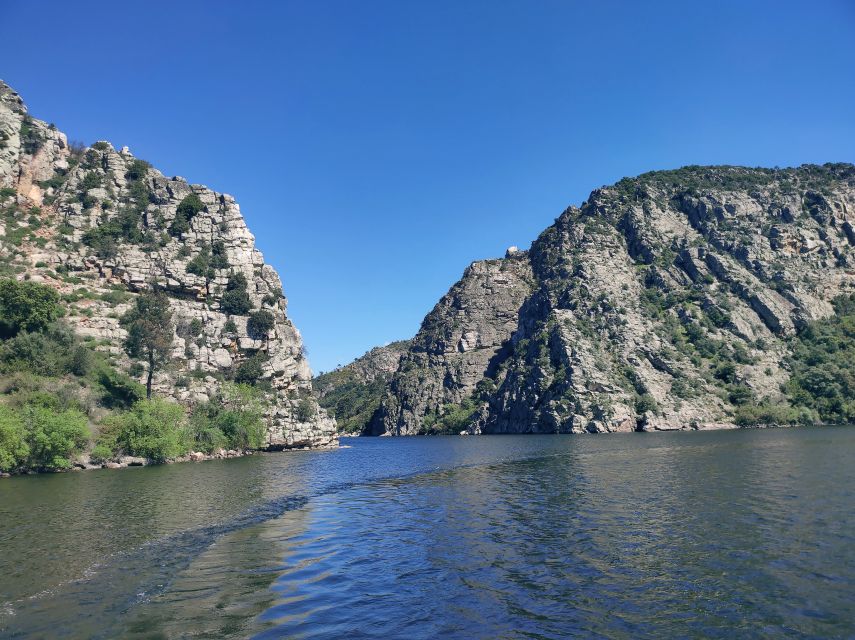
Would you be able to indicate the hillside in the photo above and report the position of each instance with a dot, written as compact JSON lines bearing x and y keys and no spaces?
{"x":352,"y":393}
{"x":686,"y":299}
{"x":101,"y":227}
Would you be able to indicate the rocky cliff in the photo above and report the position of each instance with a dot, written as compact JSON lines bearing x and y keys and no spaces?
{"x":101,"y":226}
{"x":666,"y":301}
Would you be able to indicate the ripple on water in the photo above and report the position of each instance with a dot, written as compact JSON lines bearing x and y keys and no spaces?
{"x":666,"y":535}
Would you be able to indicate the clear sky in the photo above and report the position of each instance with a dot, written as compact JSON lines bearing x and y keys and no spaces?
{"x":377,"y":148}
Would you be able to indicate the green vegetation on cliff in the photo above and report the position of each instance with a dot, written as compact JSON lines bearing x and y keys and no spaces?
{"x":349,"y":400}
{"x":351,"y":394}
{"x":59,"y":396}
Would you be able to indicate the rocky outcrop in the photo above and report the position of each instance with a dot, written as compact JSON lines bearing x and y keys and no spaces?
{"x":101,"y":226}
{"x":461,"y":342}
{"x":663,"y":302}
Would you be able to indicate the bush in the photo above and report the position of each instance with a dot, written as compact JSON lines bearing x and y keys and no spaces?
{"x":236,"y":299}
{"x":13,"y":447}
{"x":234,"y":420}
{"x":186,"y":211}
{"x":823,"y":365}
{"x":53,"y":352}
{"x":644,"y":403}
{"x":195,"y":327}
{"x":203,"y":434}
{"x":236,"y":303}
{"x":260,"y":323}
{"x":26,"y":306}
{"x":119,"y":391}
{"x":219,"y":260}
{"x":53,"y":437}
{"x":250,"y":370}
{"x":31,"y":139}
{"x":766,"y":414}
{"x":152,"y":429}
{"x":137,"y":171}
{"x":305,"y":410}
{"x":90,"y":181}
{"x":100,"y":453}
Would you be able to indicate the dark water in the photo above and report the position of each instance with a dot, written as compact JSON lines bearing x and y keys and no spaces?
{"x":746,"y":534}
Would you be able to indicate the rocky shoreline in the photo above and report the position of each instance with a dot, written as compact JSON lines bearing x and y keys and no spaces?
{"x":125,"y":462}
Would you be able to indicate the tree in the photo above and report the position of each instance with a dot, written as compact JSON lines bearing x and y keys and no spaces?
{"x":186,"y":211}
{"x":150,"y":331}
{"x":153,"y":429}
{"x":260,"y":323}
{"x":53,"y":437}
{"x":201,"y":265}
{"x":250,"y":370}
{"x":13,"y":447}
{"x":236,"y":299}
{"x":26,"y":306}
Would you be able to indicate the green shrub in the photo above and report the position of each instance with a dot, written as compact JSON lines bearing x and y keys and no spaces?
{"x":101,"y":453}
{"x":116,"y":296}
{"x":31,"y":139}
{"x":152,"y":429}
{"x":186,"y":211}
{"x":203,"y":434}
{"x":236,"y":302}
{"x":236,"y":299}
{"x":137,"y":171}
{"x":90,"y":181}
{"x":48,"y":353}
{"x":260,"y":323}
{"x":749,"y":415}
{"x":118,"y":391}
{"x":26,"y":306}
{"x":195,"y":327}
{"x":823,"y":365}
{"x":305,"y":410}
{"x":234,"y":420}
{"x":230,"y":326}
{"x":219,"y":260}
{"x":54,"y":437}
{"x":453,"y":418}
{"x":644,"y":403}
{"x":201,"y":264}
{"x":13,"y":447}
{"x":250,"y":370}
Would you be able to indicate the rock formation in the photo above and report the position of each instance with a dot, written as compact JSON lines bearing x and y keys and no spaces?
{"x":100,"y":226}
{"x":665,"y":301}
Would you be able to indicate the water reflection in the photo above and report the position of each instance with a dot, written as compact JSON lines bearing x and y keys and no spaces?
{"x":691,"y":535}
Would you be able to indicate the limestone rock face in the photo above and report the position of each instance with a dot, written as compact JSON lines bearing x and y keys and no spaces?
{"x":628,"y":311}
{"x":461,"y":342}
{"x":105,"y":226}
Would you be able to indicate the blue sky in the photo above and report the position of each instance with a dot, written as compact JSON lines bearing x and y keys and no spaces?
{"x":377,"y":148}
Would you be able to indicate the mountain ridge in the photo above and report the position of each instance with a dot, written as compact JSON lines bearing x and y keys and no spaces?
{"x":665,"y":301}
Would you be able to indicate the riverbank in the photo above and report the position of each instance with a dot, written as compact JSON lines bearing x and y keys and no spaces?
{"x":124,"y":462}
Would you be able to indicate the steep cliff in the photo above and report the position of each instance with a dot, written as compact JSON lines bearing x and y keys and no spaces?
{"x":667,"y":301}
{"x":101,"y":226}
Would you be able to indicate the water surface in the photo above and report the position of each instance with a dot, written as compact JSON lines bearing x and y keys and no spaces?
{"x":746,"y":533}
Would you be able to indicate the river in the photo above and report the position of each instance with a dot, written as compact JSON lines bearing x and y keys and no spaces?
{"x":724,"y":534}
